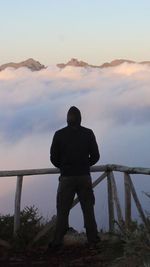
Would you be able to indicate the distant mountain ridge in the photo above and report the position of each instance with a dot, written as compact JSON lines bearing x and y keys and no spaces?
{"x":29,"y":63}
{"x":76,"y":63}
{"x":36,"y":65}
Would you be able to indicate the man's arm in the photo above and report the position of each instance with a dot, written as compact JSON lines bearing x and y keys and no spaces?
{"x":54,"y":151}
{"x":94,"y":151}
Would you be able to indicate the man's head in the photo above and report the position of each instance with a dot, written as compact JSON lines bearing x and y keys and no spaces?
{"x":74,"y":116}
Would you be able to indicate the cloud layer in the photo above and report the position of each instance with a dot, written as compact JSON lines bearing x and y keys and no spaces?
{"x":114,"y":102}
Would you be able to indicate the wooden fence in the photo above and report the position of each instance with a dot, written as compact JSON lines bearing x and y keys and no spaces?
{"x":107,"y":171}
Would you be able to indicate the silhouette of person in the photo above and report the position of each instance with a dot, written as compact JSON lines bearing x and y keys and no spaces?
{"x":74,"y":149}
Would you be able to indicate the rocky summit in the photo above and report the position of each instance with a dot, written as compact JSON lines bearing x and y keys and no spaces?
{"x":36,"y":65}
{"x":29,"y":63}
{"x":77,"y":63}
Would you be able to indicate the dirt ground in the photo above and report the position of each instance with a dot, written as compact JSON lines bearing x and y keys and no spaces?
{"x":109,"y":254}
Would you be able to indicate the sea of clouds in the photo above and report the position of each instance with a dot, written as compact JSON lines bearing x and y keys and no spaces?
{"x":114,"y":102}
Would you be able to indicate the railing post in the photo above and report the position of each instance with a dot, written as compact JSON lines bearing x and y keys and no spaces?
{"x":17,"y":204}
{"x":127,"y":201}
{"x":116,"y":199}
{"x":137,"y":202}
{"x":110,"y":203}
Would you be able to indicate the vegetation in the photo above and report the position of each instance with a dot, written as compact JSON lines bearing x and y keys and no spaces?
{"x":124,"y":247}
{"x":31,"y":224}
{"x":136,"y":242}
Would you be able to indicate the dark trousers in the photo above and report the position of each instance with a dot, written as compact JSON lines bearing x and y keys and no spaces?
{"x":68,"y":187}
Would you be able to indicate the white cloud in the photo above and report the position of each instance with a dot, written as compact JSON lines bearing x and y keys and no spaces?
{"x":114,"y":102}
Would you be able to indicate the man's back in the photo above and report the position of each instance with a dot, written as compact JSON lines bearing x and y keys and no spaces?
{"x":74,"y":150}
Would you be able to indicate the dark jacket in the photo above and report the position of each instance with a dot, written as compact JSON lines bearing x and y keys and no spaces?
{"x":74,"y":150}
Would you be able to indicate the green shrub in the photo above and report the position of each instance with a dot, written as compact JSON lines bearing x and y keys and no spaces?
{"x":30,"y":225}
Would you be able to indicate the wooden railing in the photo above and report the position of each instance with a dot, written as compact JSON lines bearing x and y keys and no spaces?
{"x":113,"y":199}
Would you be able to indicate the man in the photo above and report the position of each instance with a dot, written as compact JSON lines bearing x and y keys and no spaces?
{"x":73,"y":151}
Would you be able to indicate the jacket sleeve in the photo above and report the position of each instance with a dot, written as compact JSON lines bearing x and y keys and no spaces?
{"x":94,"y":155}
{"x":55,"y":151}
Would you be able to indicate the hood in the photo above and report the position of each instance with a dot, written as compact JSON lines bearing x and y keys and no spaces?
{"x":74,"y":116}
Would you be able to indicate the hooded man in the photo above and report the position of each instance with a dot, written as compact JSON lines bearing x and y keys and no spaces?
{"x":74,"y":149}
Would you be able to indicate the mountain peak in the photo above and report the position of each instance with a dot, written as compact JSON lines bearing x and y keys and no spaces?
{"x":29,"y":63}
{"x":116,"y":62}
{"x":76,"y":63}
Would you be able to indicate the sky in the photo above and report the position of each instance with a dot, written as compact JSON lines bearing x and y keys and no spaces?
{"x":114,"y":102}
{"x":53,"y":31}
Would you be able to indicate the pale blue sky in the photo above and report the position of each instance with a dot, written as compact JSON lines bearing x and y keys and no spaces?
{"x":53,"y":31}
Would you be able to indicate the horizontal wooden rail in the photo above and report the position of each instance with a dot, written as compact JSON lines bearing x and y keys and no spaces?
{"x":113,"y":199}
{"x":99,"y":168}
